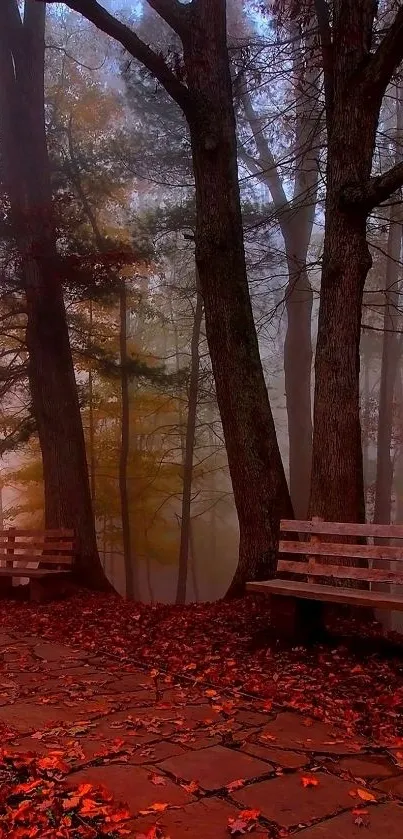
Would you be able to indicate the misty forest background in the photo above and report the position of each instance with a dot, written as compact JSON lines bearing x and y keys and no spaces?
{"x":123,"y":198}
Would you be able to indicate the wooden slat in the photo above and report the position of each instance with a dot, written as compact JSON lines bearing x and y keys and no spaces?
{"x":30,"y":572}
{"x":340,"y":572}
{"x":334,"y":528}
{"x":52,"y":534}
{"x":56,"y":560}
{"x":377,"y":552}
{"x":329,"y":594}
{"x":65,"y":547}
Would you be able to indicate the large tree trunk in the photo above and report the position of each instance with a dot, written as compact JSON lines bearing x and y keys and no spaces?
{"x":259,"y":484}
{"x":337,"y":489}
{"x":193,"y":390}
{"x":51,"y":372}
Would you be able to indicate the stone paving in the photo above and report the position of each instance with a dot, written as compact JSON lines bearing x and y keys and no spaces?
{"x":200,"y":756}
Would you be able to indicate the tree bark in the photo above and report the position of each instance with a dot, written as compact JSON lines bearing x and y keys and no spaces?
{"x":131,"y":587}
{"x":398,"y":471}
{"x":91,"y":435}
{"x":352,"y":108}
{"x":258,"y":480}
{"x":391,"y":346}
{"x":391,"y":352}
{"x":193,"y":390}
{"x":295,"y":218}
{"x":51,"y":372}
{"x":298,"y":369}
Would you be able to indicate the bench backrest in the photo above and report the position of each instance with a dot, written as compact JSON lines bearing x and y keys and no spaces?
{"x":52,"y":547}
{"x":327,"y":547}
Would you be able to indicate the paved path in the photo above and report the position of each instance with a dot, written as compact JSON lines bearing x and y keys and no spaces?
{"x":193,"y":759}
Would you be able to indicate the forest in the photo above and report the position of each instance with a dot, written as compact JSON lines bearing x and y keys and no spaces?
{"x":200,"y":328}
{"x":201,"y":325}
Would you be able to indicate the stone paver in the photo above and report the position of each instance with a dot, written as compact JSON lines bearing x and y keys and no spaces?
{"x":96,"y":711}
{"x":293,"y":731}
{"x":55,"y":652}
{"x":215,"y":767}
{"x":286,"y":801}
{"x":206,"y":819}
{"x":368,"y":767}
{"x":383,"y":821}
{"x":25,"y":716}
{"x":131,"y":785}
{"x":394,"y":786}
{"x":277,"y":757}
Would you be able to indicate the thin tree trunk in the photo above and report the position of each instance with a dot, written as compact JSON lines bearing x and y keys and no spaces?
{"x":295,"y":218}
{"x":297,"y":373}
{"x":193,"y":564}
{"x":390,"y":360}
{"x":189,"y":449}
{"x":366,"y":355}
{"x":51,"y":373}
{"x":1,"y":507}
{"x":390,"y":347}
{"x":91,"y":436}
{"x":399,"y":458}
{"x":131,"y":586}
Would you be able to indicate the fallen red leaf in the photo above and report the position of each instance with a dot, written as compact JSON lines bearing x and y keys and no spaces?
{"x":157,"y":780}
{"x":309,"y":781}
{"x":158,"y":807}
{"x":235,"y":785}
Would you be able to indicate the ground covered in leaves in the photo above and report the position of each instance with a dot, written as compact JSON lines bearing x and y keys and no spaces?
{"x":201,"y":706}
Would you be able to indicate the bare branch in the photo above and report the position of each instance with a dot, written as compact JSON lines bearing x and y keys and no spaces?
{"x":377,"y":190}
{"x":265,"y":161}
{"x":383,"y":186}
{"x":387,"y":57}
{"x":154,"y":62}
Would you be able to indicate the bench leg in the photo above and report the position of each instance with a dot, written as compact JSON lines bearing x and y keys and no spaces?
{"x":48,"y":587}
{"x":6,"y":586}
{"x":297,"y":620}
{"x":37,"y":591}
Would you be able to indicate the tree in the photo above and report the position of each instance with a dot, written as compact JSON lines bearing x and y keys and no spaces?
{"x":359,"y":60}
{"x":200,"y":83}
{"x":26,"y":178}
{"x":295,"y":218}
{"x":189,"y":445}
{"x":391,"y":344}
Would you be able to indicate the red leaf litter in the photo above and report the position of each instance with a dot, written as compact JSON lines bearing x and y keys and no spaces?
{"x":218,"y":645}
{"x":224,"y":650}
{"x":35,"y":803}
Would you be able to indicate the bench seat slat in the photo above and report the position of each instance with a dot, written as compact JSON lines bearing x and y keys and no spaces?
{"x":334,"y":528}
{"x":18,"y":545}
{"x":24,"y":558}
{"x":377,"y":552}
{"x":330,"y":594}
{"x":42,"y":534}
{"x":31,"y":572}
{"x":340,"y":572}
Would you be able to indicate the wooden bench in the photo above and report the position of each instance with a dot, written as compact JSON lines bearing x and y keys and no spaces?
{"x":336,"y":568}
{"x":45,"y":557}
